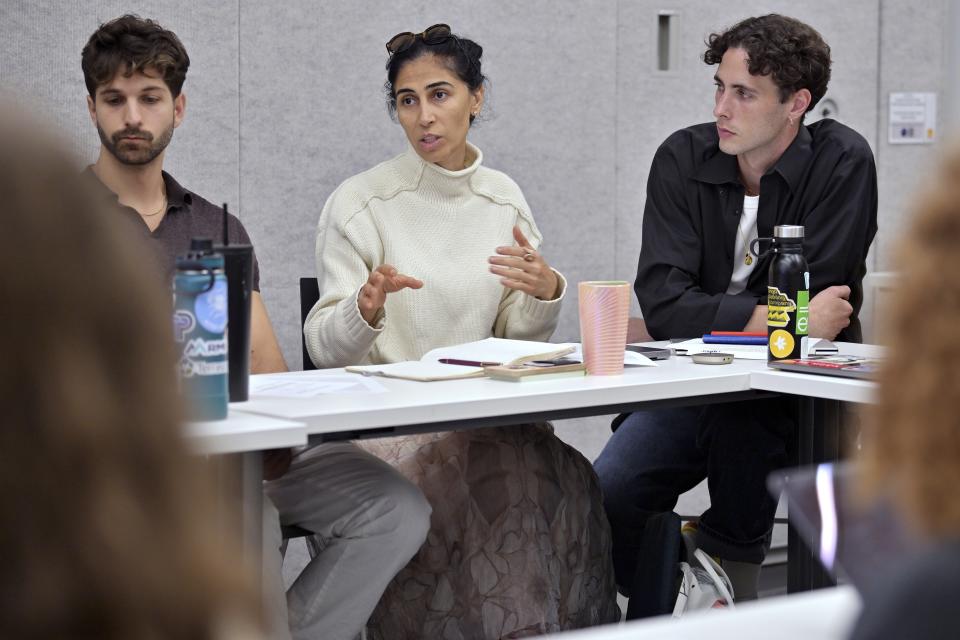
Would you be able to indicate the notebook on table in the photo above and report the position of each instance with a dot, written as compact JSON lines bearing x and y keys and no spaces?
{"x":836,"y":364}
{"x":466,"y":360}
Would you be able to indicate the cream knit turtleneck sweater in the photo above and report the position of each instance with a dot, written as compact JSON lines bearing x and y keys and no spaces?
{"x":436,"y":225}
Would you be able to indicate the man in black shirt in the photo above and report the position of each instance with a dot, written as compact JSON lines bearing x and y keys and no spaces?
{"x":371,"y":519}
{"x":712,"y":189}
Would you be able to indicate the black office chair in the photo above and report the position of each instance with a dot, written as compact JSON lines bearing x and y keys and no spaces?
{"x":309,"y":294}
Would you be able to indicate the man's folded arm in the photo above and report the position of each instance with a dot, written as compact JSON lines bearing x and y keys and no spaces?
{"x":667,"y":285}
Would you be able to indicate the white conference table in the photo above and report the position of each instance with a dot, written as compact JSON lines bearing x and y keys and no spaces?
{"x":410,"y":407}
{"x":406,"y":407}
{"x":826,"y":614}
{"x":243,"y":432}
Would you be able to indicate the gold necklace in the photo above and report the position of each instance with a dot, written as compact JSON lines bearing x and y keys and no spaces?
{"x":747,"y":258}
{"x":163,"y":206}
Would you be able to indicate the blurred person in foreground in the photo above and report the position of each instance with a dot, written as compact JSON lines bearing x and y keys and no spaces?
{"x":106,"y":527}
{"x":912,"y":437}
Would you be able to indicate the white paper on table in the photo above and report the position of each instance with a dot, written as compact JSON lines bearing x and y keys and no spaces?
{"x":741,"y":351}
{"x":301,"y":386}
{"x":500,"y":350}
{"x":630,"y":358}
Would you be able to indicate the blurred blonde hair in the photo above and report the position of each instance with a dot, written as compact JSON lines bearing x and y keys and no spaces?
{"x":106,"y":522}
{"x":912,"y":444}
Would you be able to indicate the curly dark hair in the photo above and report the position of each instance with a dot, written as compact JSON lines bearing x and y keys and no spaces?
{"x":131,"y":43}
{"x":793,"y":53}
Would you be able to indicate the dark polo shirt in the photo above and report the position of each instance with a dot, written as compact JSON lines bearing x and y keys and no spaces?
{"x":826,"y":180}
{"x":188,"y":216}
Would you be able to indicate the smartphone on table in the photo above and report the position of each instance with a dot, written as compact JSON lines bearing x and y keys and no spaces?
{"x":654,"y":353}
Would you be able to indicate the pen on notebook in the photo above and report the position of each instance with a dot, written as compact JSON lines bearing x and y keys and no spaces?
{"x":468,"y":363}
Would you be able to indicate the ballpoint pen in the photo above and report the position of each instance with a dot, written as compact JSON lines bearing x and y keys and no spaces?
{"x":468,"y":363}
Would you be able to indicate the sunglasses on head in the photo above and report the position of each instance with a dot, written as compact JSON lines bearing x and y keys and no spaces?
{"x":436,"y":34}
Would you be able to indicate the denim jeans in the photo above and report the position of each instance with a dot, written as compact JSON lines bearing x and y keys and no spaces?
{"x":654,"y":456}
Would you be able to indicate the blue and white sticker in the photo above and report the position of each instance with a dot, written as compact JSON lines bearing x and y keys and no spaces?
{"x":211,"y":307}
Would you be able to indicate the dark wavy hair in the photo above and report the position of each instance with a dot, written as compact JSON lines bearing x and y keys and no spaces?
{"x":131,"y":43}
{"x":461,"y":55}
{"x":792,"y":53}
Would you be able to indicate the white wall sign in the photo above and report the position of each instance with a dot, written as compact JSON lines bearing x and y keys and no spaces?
{"x":913,"y":118}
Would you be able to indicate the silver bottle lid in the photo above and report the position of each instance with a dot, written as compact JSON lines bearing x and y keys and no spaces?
{"x":788,"y":231}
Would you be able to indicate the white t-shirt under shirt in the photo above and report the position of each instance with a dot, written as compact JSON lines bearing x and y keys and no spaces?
{"x":746,"y":234}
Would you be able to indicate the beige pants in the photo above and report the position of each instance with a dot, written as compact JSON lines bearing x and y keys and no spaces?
{"x":370,"y":521}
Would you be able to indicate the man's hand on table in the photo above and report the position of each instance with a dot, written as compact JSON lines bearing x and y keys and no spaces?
{"x":830,"y":312}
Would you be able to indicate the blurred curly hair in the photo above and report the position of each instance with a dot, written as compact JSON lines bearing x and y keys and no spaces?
{"x":912,"y":436}
{"x":792,"y":53}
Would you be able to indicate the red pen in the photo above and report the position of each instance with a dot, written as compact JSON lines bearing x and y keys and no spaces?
{"x":743,"y":334}
{"x":468,"y":363}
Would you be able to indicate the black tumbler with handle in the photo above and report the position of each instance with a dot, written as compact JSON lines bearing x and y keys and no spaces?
{"x":238,"y":267}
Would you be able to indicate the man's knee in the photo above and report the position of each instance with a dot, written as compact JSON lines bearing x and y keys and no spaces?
{"x":406,"y":518}
{"x":613,"y":485}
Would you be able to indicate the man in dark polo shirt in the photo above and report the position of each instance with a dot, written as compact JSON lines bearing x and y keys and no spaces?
{"x":135,"y":126}
{"x":369,"y":518}
{"x":712,"y":189}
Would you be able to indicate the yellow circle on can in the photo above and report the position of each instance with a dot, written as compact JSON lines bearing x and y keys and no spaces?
{"x":781,"y":343}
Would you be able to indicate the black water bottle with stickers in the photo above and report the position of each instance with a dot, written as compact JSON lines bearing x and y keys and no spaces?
{"x":788,"y":294}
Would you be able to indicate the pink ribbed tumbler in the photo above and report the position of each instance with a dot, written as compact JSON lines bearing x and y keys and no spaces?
{"x":604,"y":311}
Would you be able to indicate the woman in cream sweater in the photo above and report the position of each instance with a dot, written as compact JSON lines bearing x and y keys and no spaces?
{"x":431,"y":249}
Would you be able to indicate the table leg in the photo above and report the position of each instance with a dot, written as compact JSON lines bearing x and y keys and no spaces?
{"x":818,"y":440}
{"x":239,"y":480}
{"x":251,"y":514}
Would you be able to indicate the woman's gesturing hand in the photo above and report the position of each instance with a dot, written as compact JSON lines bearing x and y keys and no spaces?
{"x":383,"y":280}
{"x":524,"y":269}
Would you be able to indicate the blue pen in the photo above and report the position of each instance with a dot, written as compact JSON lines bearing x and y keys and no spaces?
{"x":710,"y":339}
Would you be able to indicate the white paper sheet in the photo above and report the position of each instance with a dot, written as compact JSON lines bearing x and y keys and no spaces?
{"x":499,"y":350}
{"x":424,"y":371}
{"x":630,"y":358}
{"x":309,"y":387}
{"x":741,"y":351}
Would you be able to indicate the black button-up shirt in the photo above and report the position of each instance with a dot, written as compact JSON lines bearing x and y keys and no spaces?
{"x":826,"y":181}
{"x":188,"y":216}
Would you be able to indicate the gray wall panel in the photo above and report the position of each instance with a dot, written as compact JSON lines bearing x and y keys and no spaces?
{"x":912,"y":59}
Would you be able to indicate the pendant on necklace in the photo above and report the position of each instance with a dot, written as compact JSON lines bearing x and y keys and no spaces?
{"x":748,"y":259}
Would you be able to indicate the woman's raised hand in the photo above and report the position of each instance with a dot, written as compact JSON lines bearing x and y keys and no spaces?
{"x":522,"y":268}
{"x":383,"y":280}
